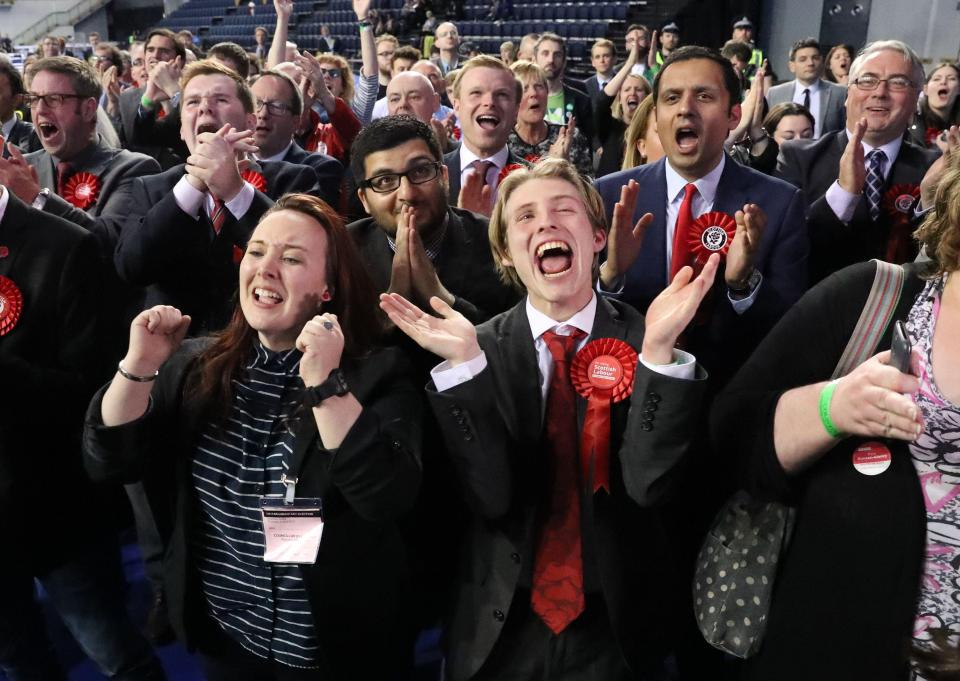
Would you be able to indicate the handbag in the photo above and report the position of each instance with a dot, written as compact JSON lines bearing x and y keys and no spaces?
{"x":737,"y":563}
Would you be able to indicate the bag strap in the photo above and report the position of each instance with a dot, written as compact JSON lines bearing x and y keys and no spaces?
{"x":874,"y":319}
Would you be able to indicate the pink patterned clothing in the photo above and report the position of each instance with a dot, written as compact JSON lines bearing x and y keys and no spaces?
{"x":936,"y":457}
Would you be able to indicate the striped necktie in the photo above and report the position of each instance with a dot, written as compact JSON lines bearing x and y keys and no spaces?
{"x":874,"y":184}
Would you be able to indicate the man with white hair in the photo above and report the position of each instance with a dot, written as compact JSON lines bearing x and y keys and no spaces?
{"x":849,"y":177}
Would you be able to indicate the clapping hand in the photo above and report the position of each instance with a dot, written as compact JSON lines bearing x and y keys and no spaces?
{"x":450,"y":336}
{"x":626,"y":239}
{"x":853,"y":169}
{"x":19,"y":176}
{"x":751,"y":221}
{"x":561,"y":146}
{"x":928,"y":186}
{"x":476,"y":195}
{"x":213,"y":163}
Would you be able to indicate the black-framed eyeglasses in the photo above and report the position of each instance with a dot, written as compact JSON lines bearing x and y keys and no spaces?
{"x":894,"y":83}
{"x":333,"y":73}
{"x":54,"y":101}
{"x":388,"y":182}
{"x":274,"y":108}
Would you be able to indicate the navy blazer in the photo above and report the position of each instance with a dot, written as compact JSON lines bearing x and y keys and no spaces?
{"x":452,"y":161}
{"x":329,"y":171}
{"x":727,"y":338}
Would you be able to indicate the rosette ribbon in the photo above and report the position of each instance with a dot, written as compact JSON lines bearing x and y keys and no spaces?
{"x":602,"y":372}
{"x":710,"y":233}
{"x":897,"y":203}
{"x":507,"y":169}
{"x":11,"y":305}
{"x":82,"y":190}
{"x":254,"y":178}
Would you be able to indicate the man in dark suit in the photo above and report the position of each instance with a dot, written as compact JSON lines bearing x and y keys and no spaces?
{"x":603,"y":55}
{"x":188,"y":226}
{"x":565,"y":99}
{"x":52,"y":361}
{"x":13,"y":130}
{"x":278,"y":105}
{"x":846,"y":175}
{"x":822,"y":98}
{"x":765,"y":268}
{"x":328,"y":43}
{"x":486,"y":98}
{"x":547,"y":581}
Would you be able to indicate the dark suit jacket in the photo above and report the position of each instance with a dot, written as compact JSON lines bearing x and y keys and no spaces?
{"x":23,"y":135}
{"x":328,"y":44}
{"x":129,"y":105}
{"x":813,"y":165}
{"x":116,"y":169}
{"x":452,"y":161}
{"x":329,"y":171}
{"x":464,"y":265}
{"x":493,"y":428}
{"x":149,"y":131}
{"x":179,"y":259}
{"x":727,"y":338}
{"x":833,"y":112}
{"x":578,"y":103}
{"x":51,"y":363}
{"x":357,"y":586}
{"x":591,"y":86}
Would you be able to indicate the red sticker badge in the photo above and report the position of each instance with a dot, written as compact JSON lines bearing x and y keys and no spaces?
{"x":82,"y":190}
{"x":711,"y":233}
{"x":602,"y":372}
{"x":11,"y":305}
{"x":871,"y":458}
{"x":254,"y":178}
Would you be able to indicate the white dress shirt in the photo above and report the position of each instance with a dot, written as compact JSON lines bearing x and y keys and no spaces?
{"x":815,"y":91}
{"x":6,"y":127}
{"x":446,"y":376}
{"x":190,"y":199}
{"x":275,"y":157}
{"x":843,"y":203}
{"x":499,"y":160}
{"x":4,"y":200}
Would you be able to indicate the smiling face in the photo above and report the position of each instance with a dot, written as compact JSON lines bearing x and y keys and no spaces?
{"x":486,"y":108}
{"x":159,"y":48}
{"x":210,"y":102}
{"x":533,"y":104}
{"x":428,"y":199}
{"x":283,"y":277}
{"x":793,"y":128}
{"x":888,"y":113}
{"x":68,"y":129}
{"x":694,"y":116}
{"x":942,"y":88}
{"x":806,"y":65}
{"x":552,"y":245}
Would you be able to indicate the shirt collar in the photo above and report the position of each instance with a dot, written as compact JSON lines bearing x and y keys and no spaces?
{"x":583,"y":319}
{"x":4,"y":200}
{"x":467,"y":157}
{"x":891,"y":148}
{"x":800,"y":87}
{"x":276,"y":157}
{"x":706,"y":185}
{"x":283,"y":361}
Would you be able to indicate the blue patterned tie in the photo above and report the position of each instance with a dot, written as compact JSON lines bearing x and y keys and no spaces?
{"x":874,"y":186}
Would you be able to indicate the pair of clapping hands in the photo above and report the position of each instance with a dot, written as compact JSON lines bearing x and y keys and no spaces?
{"x":216,"y":161}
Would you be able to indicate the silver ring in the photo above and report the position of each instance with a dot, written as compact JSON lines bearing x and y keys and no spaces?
{"x":327,"y":324}
{"x":886,"y":430}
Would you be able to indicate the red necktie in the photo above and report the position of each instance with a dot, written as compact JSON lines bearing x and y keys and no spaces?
{"x":218,"y":215}
{"x":681,"y":249}
{"x":64,"y":171}
{"x":557,"y":595}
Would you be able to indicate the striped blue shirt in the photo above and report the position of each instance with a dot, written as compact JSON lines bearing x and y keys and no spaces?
{"x":263,"y":606}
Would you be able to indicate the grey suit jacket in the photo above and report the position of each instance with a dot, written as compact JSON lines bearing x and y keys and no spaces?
{"x":833,"y":112}
{"x":23,"y":136}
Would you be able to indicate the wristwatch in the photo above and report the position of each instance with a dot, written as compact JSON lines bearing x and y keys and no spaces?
{"x":335,"y":384}
{"x":745,"y":287}
{"x":40,"y":200}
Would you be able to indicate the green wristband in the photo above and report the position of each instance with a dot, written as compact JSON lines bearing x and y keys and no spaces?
{"x":146,"y":102}
{"x":826,"y":396}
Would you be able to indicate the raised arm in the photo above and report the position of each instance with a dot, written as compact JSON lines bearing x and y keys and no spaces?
{"x":278,"y":47}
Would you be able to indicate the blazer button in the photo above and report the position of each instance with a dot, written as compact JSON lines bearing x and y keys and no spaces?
{"x":647,"y":417}
{"x":455,"y":410}
{"x":461,"y":420}
{"x":647,"y":426}
{"x":515,"y":557}
{"x":653,"y":397}
{"x":468,"y":437}
{"x":498,"y":615}
{"x":650,"y":406}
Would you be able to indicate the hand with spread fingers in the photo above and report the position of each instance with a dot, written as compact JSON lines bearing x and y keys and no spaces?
{"x":475,"y":195}
{"x":321,"y":342}
{"x":561,"y":146}
{"x":931,"y":179}
{"x":450,"y":336}
{"x":672,"y":310}
{"x":626,"y":239}
{"x":214,"y":161}
{"x":19,"y":176}
{"x":751,"y":221}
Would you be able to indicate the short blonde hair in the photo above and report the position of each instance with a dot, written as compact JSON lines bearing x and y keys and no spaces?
{"x":524,"y":69}
{"x":485,"y":61}
{"x":548,"y":168}
{"x":940,"y":231}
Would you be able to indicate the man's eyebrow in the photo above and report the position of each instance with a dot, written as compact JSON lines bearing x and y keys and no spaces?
{"x":414,"y":160}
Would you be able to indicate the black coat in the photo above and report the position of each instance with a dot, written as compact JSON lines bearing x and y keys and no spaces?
{"x":846,"y":589}
{"x":452,"y":160}
{"x":23,"y":136}
{"x":329,"y":172}
{"x":356,"y":587}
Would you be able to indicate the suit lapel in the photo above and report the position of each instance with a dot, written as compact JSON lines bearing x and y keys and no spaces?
{"x":651,"y":265}
{"x":825,"y":94}
{"x":453,"y":175}
{"x":11,"y":230}
{"x":516,"y":349}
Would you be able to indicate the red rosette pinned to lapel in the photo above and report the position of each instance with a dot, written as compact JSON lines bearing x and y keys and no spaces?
{"x":82,"y":190}
{"x":711,"y":233}
{"x":457,"y":132}
{"x":507,"y":169}
{"x":602,"y":372}
{"x":254,"y":178}
{"x":899,"y":199}
{"x":930,"y":135}
{"x":532,"y":158}
{"x":11,"y":305}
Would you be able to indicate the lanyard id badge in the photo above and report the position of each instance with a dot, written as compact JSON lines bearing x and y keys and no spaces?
{"x":291,"y":530}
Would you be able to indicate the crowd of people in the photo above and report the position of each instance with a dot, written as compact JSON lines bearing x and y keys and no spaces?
{"x":461,"y":341}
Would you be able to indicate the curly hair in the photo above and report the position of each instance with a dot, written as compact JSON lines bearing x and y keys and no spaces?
{"x":940,"y":231}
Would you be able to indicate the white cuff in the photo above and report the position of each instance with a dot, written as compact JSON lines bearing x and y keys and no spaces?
{"x":841,"y":202}
{"x":240,"y":204}
{"x":684,"y":366}
{"x":188,"y":197}
{"x":446,"y":376}
{"x":741,"y":305}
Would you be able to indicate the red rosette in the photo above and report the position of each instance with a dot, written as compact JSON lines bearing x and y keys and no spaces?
{"x":254,"y":178}
{"x":82,"y":190}
{"x":532,"y":159}
{"x":457,"y":132}
{"x":930,"y":135}
{"x":237,"y":254}
{"x":11,"y":305}
{"x":602,"y":372}
{"x":507,"y":169}
{"x":711,"y":233}
{"x":899,"y":199}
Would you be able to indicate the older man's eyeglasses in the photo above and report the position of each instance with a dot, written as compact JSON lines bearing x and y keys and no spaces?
{"x":894,"y":83}
{"x":274,"y":108}
{"x":388,"y":182}
{"x":54,"y":101}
